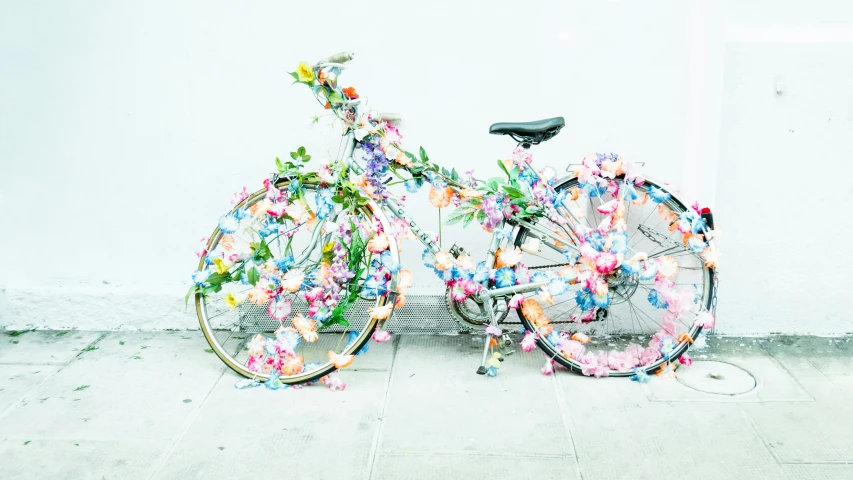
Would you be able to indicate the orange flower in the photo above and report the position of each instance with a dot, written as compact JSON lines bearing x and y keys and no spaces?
{"x":259,"y":295}
{"x":576,"y":193}
{"x":401,"y":300}
{"x":306,"y":327}
{"x":403,"y":160}
{"x":531,"y":309}
{"x":440,"y":198}
{"x":379,"y":243}
{"x":684,"y":337}
{"x":350,"y":93}
{"x":545,"y":330}
{"x":580,"y":337}
{"x":404,"y":280}
{"x":292,"y":365}
{"x":381,"y":313}
{"x":340,"y":361}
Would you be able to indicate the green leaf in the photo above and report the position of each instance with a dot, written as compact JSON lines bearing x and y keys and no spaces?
{"x":503,"y":167}
{"x":512,"y":192}
{"x":335,"y":97}
{"x":338,"y":198}
{"x":481,"y":216}
{"x":279,"y":165}
{"x":191,"y":292}
{"x":295,"y":76}
{"x":300,"y":151}
{"x":254,"y":276}
{"x":217,"y":278}
{"x":412,"y":156}
{"x":468,"y":219}
{"x":424,"y":157}
{"x":306,"y":158}
{"x":454,"y":175}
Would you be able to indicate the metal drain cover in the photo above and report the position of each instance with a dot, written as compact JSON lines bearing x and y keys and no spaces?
{"x":718,"y":378}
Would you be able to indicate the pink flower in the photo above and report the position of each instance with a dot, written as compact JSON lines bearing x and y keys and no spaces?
{"x":380,"y":336}
{"x":279,"y":309}
{"x":493,"y":330}
{"x":705,"y":320}
{"x":548,"y":369}
{"x":334,"y":383}
{"x":528,"y":343}
{"x":273,"y":194}
{"x":606,"y":262}
{"x":515,"y":301}
{"x":608,"y":208}
{"x":685,"y":360}
{"x":240,"y":195}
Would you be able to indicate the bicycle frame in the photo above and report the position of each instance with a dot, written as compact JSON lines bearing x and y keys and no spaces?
{"x":392,"y":208}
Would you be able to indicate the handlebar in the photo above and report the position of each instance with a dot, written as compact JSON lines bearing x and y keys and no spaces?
{"x":340,"y":57}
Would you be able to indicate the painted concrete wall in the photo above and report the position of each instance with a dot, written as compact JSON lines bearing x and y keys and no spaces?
{"x":125,"y":127}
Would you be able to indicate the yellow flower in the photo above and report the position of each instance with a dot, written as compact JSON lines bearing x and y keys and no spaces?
{"x":232,"y":300}
{"x":305,"y":72}
{"x":221,"y":265}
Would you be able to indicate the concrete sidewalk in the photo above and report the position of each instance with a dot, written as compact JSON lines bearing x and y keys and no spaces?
{"x":124,"y":405}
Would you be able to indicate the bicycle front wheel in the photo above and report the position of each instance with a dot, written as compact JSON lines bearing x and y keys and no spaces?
{"x":269,"y":323}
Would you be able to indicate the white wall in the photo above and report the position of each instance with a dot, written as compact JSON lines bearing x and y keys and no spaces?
{"x":125,"y":127}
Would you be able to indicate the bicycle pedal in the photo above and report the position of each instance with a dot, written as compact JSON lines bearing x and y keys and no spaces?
{"x":481,"y":370}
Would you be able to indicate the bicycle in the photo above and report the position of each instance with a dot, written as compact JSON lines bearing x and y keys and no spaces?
{"x":572,"y":256}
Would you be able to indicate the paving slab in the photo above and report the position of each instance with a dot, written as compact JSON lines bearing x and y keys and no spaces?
{"x":44,"y":346}
{"x":309,"y":433}
{"x":437,"y":403}
{"x":619,"y":433}
{"x":816,"y":471}
{"x":17,"y":380}
{"x":772,"y":384}
{"x":78,"y":459}
{"x":140,"y":385}
{"x":473,"y":467}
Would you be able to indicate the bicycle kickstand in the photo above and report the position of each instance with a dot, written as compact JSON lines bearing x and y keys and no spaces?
{"x":487,"y":302}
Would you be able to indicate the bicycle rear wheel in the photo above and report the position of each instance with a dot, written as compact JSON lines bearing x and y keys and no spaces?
{"x":630,"y":327}
{"x":285,"y":336}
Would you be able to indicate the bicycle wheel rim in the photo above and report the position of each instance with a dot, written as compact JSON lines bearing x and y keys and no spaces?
{"x":680,"y":349}
{"x":317,"y":371}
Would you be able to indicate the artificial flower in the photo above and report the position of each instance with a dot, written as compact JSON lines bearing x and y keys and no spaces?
{"x":380,"y":336}
{"x":509,"y":257}
{"x":292,"y":365}
{"x":340,"y":361}
{"x":279,"y":309}
{"x":292,"y":280}
{"x":381,"y":312}
{"x":440,"y":198}
{"x":306,"y":327}
{"x":350,"y":93}
{"x":304,"y":72}
{"x":528,"y":343}
{"x":379,"y":243}
{"x":233,"y":299}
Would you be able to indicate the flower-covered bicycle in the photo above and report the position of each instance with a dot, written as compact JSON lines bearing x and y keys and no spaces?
{"x":602,"y":252}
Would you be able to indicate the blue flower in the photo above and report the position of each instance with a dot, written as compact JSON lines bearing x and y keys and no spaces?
{"x":640,"y":375}
{"x":324,"y":203}
{"x":413,"y":185}
{"x":436,"y":180}
{"x":504,"y":232}
{"x":658,"y":195}
{"x":352,"y":337}
{"x":558,"y":286}
{"x":492,"y":371}
{"x":538,"y":277}
{"x":528,"y":176}
{"x":593,"y":190}
{"x":505,"y":277}
{"x":596,"y":240}
{"x":228,"y":223}
{"x":560,"y":199}
{"x":627,"y":191}
{"x":656,"y":300}
{"x":667,"y":347}
{"x":240,"y":214}
{"x":481,"y":273}
{"x":583,"y":299}
{"x":373,"y":287}
{"x":284,"y":263}
{"x":428,"y":258}
{"x":696,"y":245}
{"x":650,"y":271}
{"x":601,"y":301}
{"x":388,"y":261}
{"x":698,"y":224}
{"x":572,"y":256}
{"x":631,"y":267}
{"x":619,"y":242}
{"x":200,"y":277}
{"x":273,"y":383}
